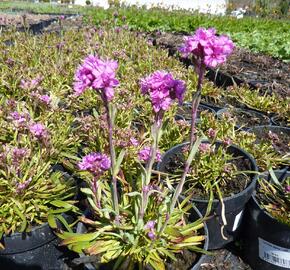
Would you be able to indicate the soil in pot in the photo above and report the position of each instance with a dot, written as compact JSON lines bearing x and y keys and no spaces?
{"x":279,"y":137}
{"x":245,"y":118}
{"x":184,"y":111}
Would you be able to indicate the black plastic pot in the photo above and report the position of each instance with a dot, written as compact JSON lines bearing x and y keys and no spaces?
{"x":266,"y":242}
{"x":195,"y":214}
{"x":234,"y":205}
{"x":35,"y":250}
{"x":212,"y":106}
{"x":251,"y":112}
{"x":187,"y":105}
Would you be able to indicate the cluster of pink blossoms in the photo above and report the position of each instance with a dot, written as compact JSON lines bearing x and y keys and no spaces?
{"x":96,"y":163}
{"x":38,"y":130}
{"x":31,"y":84}
{"x":98,"y":74}
{"x":150,"y":225}
{"x":145,"y":153}
{"x":162,"y":89}
{"x":213,"y":50}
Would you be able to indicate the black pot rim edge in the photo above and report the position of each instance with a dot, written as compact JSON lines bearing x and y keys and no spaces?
{"x":250,"y":186}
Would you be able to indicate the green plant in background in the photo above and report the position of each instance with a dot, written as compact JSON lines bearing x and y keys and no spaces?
{"x":274,"y":197}
{"x":260,"y":146}
{"x":30,"y":191}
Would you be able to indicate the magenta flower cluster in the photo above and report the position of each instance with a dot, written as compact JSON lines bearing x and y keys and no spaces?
{"x":162,"y":89}
{"x":150,"y":225}
{"x":213,"y":50}
{"x":97,"y":74}
{"x":96,"y":163}
{"x":145,"y":153}
{"x":30,"y":84}
{"x":38,"y":130}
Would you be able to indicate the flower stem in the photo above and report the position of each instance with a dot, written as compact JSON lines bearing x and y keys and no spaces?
{"x":113,"y":163}
{"x":155,"y":135}
{"x":195,"y":101}
{"x":180,"y":185}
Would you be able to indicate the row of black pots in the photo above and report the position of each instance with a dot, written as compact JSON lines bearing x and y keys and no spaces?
{"x":39,"y":250}
{"x":255,"y":117}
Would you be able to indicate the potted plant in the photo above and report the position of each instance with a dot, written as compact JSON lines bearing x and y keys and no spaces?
{"x":267,"y":228}
{"x":246,"y":118}
{"x":135,"y":224}
{"x":267,"y":144}
{"x":219,"y":165}
{"x":274,"y":140}
{"x":32,"y":189}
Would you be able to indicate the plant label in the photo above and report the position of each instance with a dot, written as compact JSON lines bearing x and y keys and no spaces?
{"x":274,"y":254}
{"x":237,"y":220}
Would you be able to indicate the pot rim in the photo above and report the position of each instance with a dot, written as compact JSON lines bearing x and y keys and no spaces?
{"x":246,"y":154}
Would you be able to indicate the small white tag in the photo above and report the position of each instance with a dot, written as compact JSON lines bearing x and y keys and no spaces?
{"x":274,"y":254}
{"x":237,"y":220}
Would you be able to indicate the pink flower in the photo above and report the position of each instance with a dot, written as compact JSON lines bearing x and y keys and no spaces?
{"x":98,"y":74}
{"x":96,"y":163}
{"x":145,"y":153}
{"x":21,"y":186}
{"x":18,"y":154}
{"x":45,"y":99}
{"x":150,"y":225}
{"x":151,"y":235}
{"x":205,"y":45}
{"x":212,"y":133}
{"x":38,"y":130}
{"x":204,"y":148}
{"x":287,"y":189}
{"x":227,"y":141}
{"x":196,"y":43}
{"x":162,"y":89}
{"x":19,"y":120}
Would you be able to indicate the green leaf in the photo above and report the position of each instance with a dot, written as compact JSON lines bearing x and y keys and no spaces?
{"x":63,"y":204}
{"x":118,"y":162}
{"x":51,"y":221}
{"x":80,"y":238}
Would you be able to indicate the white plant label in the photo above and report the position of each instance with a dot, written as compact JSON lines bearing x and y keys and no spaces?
{"x":274,"y":254}
{"x":237,"y":220}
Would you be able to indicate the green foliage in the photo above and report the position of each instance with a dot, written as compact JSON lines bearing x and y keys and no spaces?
{"x":262,"y":148}
{"x":266,"y":37}
{"x":128,"y":243}
{"x":23,"y":208}
{"x":275,"y":198}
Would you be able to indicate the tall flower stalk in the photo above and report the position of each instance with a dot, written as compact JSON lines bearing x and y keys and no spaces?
{"x":162,"y":89}
{"x":207,"y":50}
{"x":100,"y":75}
